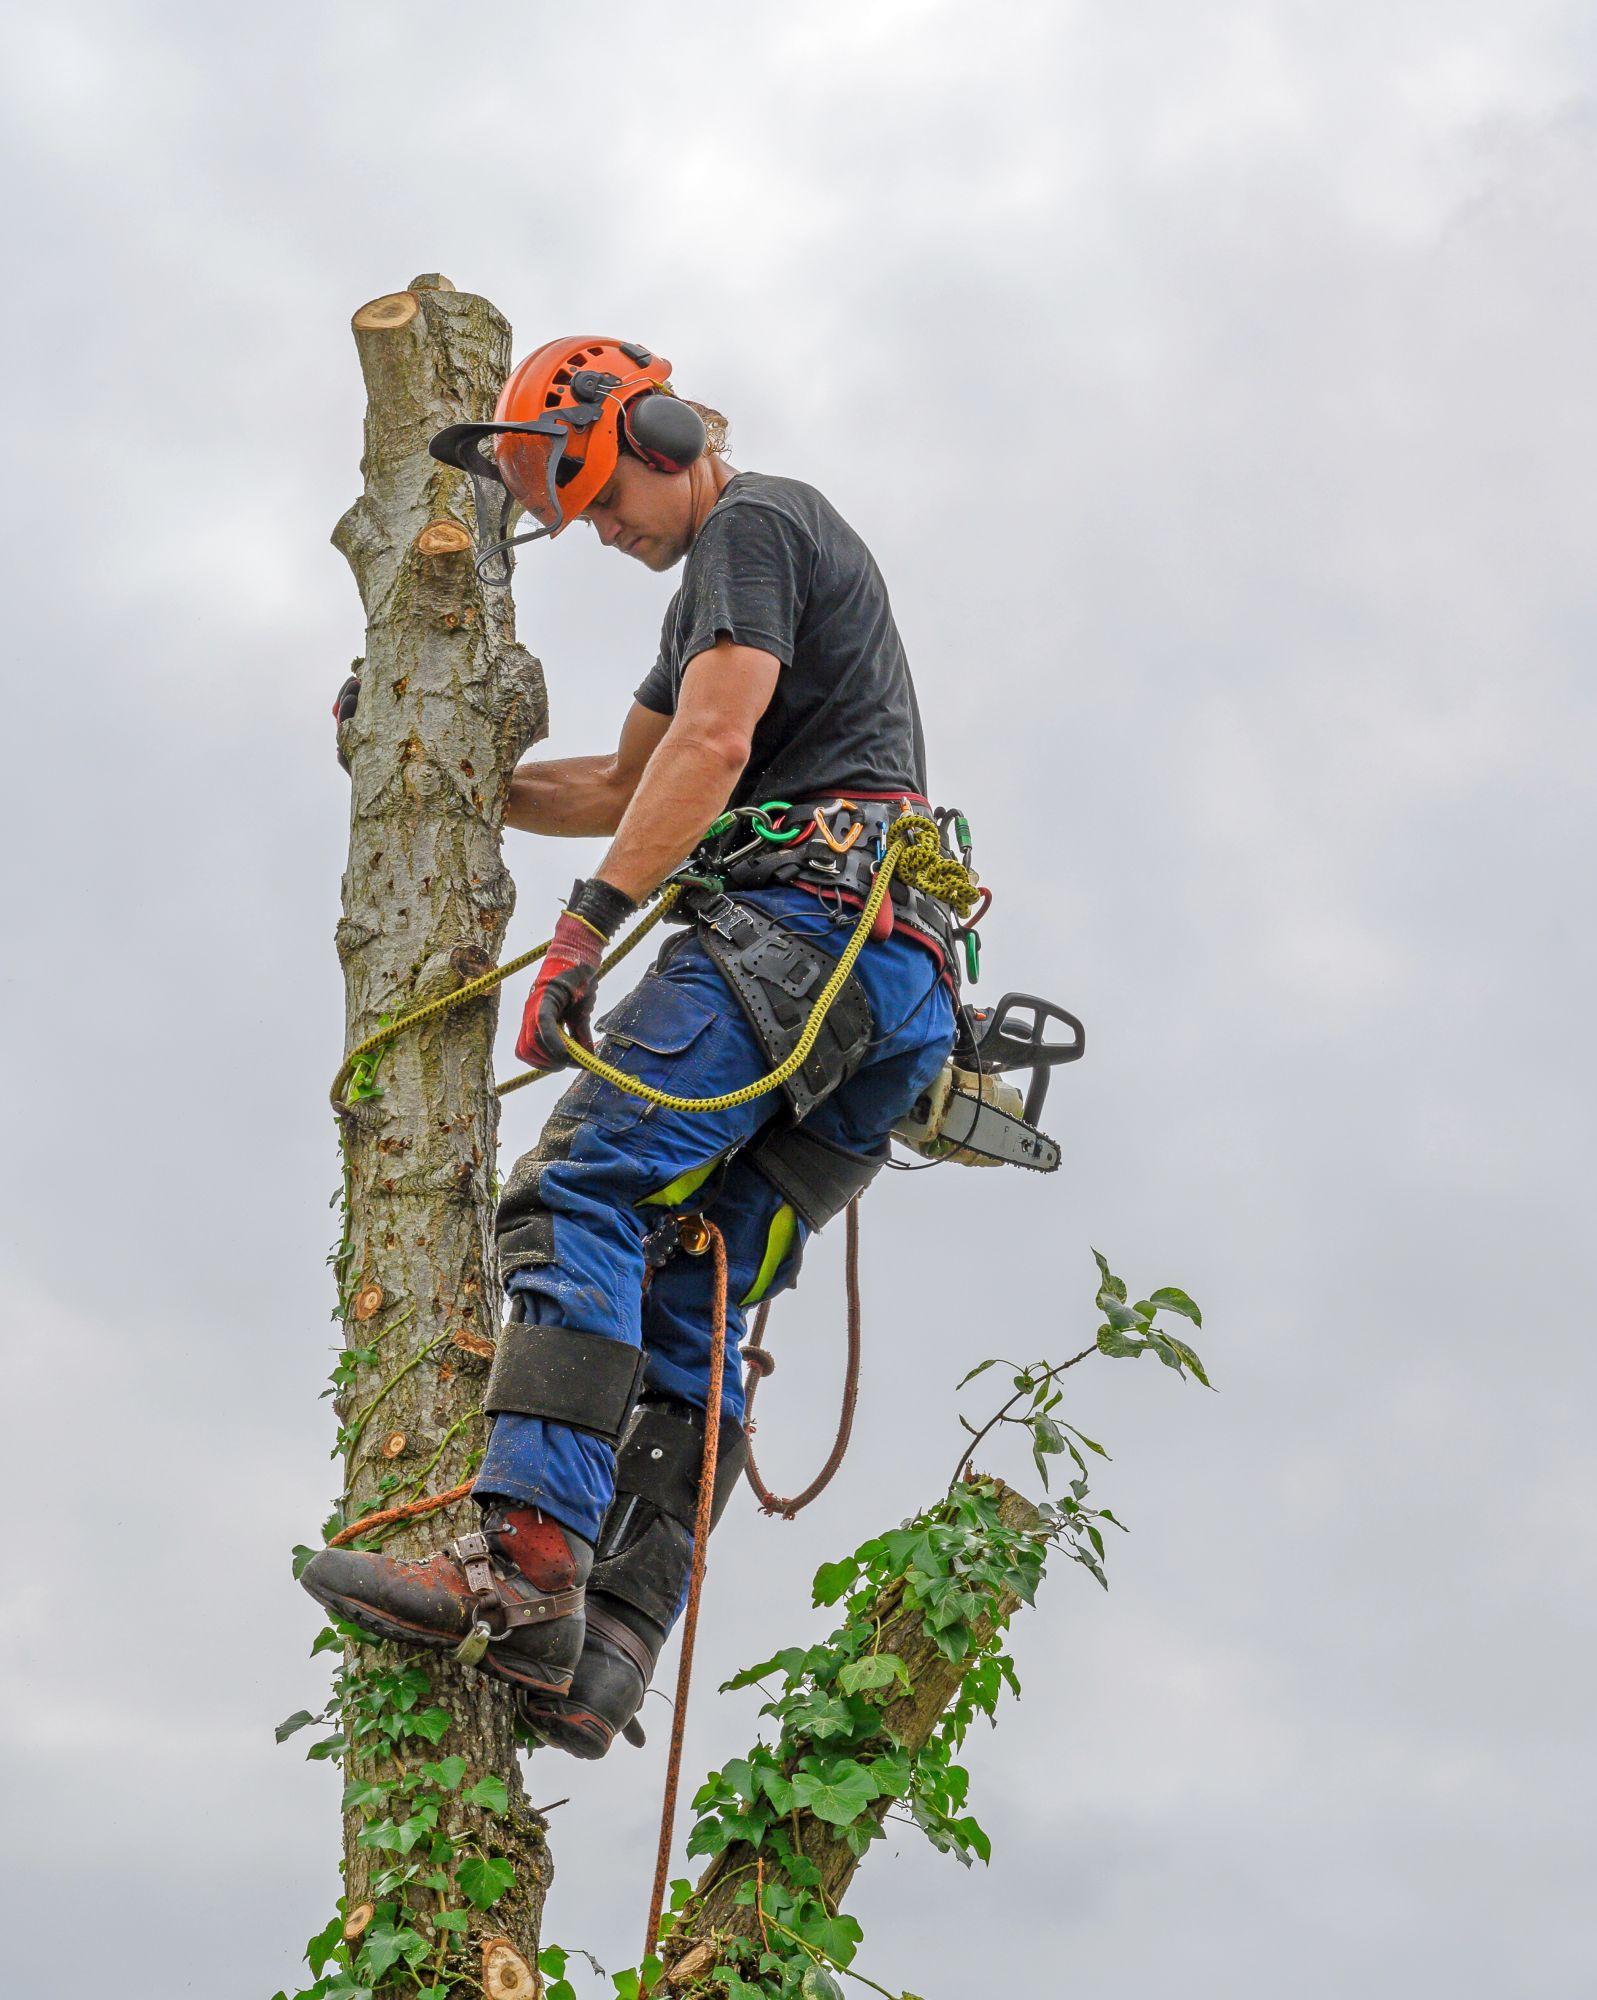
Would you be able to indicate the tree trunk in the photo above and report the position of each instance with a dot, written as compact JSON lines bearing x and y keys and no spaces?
{"x":448,"y":704}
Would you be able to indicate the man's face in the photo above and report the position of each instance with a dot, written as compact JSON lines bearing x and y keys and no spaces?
{"x":645,"y":514}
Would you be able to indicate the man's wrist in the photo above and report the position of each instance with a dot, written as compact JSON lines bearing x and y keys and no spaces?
{"x":601,"y":906}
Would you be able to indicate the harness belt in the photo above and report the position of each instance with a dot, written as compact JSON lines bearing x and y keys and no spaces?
{"x":566,"y":1375}
{"x":841,"y":859}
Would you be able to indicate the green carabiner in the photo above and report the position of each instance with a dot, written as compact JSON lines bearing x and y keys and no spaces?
{"x":762,"y":815}
{"x":721,"y":825}
{"x":972,"y":954}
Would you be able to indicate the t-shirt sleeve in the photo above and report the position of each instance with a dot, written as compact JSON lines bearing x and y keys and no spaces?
{"x":658,"y":689}
{"x":654,"y":690}
{"x":749,"y":575}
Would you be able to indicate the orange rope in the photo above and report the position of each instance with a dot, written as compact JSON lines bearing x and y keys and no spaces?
{"x":408,"y":1512}
{"x":701,"y":1544}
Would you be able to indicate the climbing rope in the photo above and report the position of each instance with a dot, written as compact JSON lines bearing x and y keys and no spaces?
{"x":913,"y":852}
{"x":696,"y":1234}
{"x":759,"y":1362}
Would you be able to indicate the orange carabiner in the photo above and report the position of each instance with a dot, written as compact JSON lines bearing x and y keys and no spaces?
{"x":854,"y":832}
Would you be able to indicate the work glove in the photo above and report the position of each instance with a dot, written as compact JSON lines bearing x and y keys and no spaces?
{"x":343,"y":708}
{"x":568,"y":972}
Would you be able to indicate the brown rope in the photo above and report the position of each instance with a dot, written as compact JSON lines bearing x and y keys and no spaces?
{"x":701,"y":1544}
{"x":409,"y":1512}
{"x":759,"y":1363}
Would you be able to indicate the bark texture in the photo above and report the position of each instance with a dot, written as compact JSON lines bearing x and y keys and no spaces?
{"x":448,"y":704}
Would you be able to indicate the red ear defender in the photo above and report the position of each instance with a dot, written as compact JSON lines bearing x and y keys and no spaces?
{"x":665,"y":432}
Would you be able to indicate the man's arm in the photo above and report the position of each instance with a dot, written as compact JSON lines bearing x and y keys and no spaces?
{"x":585,"y":795}
{"x":699,"y":758}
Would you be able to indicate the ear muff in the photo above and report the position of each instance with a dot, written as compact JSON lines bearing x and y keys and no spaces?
{"x":664,"y":431}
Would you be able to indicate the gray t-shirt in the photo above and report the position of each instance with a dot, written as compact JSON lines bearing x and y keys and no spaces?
{"x":775,"y":566}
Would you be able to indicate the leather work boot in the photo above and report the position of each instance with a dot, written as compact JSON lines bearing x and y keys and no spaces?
{"x":517,"y":1585}
{"x":640,"y":1576}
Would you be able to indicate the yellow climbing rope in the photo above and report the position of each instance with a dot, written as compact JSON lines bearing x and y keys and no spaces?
{"x":914,"y":853}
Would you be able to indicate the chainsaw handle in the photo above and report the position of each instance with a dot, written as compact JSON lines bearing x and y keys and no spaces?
{"x":1002,"y":1043}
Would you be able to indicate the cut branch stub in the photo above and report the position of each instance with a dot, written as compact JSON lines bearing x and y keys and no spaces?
{"x":506,"y":1975}
{"x":392,"y":309}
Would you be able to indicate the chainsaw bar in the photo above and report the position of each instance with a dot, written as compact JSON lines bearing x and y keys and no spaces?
{"x":997,"y":1136}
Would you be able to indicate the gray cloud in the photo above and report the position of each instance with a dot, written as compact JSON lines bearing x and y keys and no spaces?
{"x":1214,"y":388}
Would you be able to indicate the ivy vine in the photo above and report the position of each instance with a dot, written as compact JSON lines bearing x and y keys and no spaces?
{"x":951,"y":1575}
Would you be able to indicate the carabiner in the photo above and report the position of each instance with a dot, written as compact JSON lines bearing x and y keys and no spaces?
{"x":761,"y":815}
{"x":825,"y":831}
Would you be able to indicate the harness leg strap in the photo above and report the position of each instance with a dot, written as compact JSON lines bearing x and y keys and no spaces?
{"x":819,"y":1177}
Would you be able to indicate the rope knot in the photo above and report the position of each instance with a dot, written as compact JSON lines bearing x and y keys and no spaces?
{"x":760,"y":1360}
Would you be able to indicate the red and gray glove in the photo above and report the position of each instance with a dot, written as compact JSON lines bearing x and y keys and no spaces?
{"x":568,"y":973}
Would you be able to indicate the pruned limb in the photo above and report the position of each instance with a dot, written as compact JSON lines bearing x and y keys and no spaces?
{"x":715,"y":1917}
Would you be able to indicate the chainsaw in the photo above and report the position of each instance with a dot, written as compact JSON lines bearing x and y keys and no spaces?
{"x":970,"y":1116}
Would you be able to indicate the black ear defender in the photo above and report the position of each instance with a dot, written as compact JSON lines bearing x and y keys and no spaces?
{"x":665,"y":432}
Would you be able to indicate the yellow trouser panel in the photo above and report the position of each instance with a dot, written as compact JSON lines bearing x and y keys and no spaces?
{"x":684,"y":1185}
{"x":778,"y":1242}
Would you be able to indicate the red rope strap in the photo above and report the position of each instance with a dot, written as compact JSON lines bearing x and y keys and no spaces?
{"x":759,"y":1363}
{"x":408,"y":1512}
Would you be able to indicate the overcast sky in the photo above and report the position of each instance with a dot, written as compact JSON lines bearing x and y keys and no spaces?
{"x":1213,"y":384}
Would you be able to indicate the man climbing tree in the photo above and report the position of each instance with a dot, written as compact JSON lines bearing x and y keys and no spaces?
{"x":780,"y":715}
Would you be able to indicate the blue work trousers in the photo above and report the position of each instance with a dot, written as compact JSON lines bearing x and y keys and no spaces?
{"x":626,"y":1165}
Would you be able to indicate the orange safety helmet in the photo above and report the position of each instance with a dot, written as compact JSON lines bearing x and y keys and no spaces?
{"x":558,"y":430}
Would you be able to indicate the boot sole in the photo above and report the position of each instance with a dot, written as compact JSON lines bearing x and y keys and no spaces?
{"x":384,"y":1626}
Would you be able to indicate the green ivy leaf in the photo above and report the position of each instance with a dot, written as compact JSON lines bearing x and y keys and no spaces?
{"x":361,"y":1792}
{"x":483,"y":1880}
{"x":836,"y":1792}
{"x":322,"y":1947}
{"x":876,"y":1670}
{"x":833,"y":1580}
{"x":446,"y":1773}
{"x":788,"y":1663}
{"x":489,"y":1793}
{"x":1170,"y":1298}
{"x":838,"y":1937}
{"x":451,"y":1920}
{"x":818,"y":1984}
{"x":383,"y":1947}
{"x":552,"y":1961}
{"x":300,"y":1719}
{"x":433,"y":1723}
